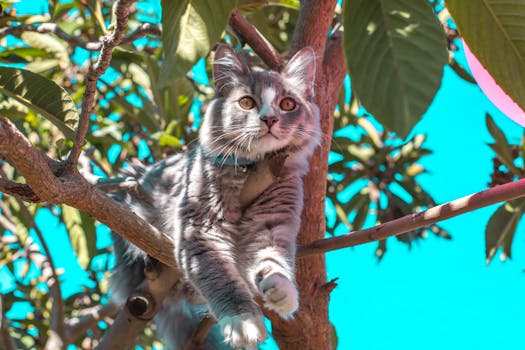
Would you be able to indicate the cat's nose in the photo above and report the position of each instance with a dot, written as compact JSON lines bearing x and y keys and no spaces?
{"x":269,"y":120}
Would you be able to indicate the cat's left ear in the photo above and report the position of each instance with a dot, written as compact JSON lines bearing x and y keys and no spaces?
{"x":300,"y":71}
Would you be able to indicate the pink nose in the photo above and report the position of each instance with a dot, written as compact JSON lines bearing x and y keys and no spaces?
{"x":269,"y":120}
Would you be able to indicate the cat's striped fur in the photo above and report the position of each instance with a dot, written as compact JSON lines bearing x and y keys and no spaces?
{"x":228,"y":253}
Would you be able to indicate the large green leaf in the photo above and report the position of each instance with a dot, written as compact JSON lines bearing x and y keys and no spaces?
{"x":501,"y":228}
{"x":493,"y":30}
{"x":395,"y":52}
{"x":49,"y":44}
{"x":190,"y":29}
{"x":42,"y":96}
{"x":81,"y":230}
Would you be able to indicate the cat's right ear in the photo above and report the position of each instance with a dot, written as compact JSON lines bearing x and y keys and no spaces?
{"x":228,"y":68}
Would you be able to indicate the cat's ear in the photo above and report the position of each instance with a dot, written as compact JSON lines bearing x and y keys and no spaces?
{"x":300,"y":71}
{"x":228,"y":67}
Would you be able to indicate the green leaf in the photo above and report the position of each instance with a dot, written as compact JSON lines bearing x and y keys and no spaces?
{"x":52,"y":5}
{"x":461,"y":72}
{"x":501,"y":228}
{"x":169,"y":140}
{"x":502,"y":146}
{"x":81,"y":230}
{"x":190,"y":29}
{"x":395,"y":52}
{"x":13,"y":109}
{"x":96,"y":10}
{"x":42,"y":96}
{"x":49,"y":44}
{"x":494,"y":31}
{"x":333,"y":336}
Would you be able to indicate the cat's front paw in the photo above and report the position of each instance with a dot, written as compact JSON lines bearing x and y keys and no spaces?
{"x":279,"y":294}
{"x":244,"y":330}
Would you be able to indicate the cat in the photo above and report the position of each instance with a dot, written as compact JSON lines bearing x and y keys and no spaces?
{"x":229,"y":253}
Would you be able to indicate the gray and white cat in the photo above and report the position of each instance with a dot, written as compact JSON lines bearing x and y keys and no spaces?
{"x":227,"y":253}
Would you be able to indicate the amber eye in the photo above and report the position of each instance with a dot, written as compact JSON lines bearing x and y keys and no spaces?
{"x":287,"y":104}
{"x":247,"y":103}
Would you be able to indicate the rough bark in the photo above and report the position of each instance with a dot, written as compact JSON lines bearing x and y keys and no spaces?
{"x":312,"y":318}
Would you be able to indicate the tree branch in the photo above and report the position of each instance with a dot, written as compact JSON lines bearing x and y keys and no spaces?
{"x":256,"y":40}
{"x":6,"y":340}
{"x":109,"y":42}
{"x":18,"y":190}
{"x":72,"y":189}
{"x":52,"y":28}
{"x":140,"y":308}
{"x":315,"y":18}
{"x":88,"y":318}
{"x":57,"y":339}
{"x":313,"y":23}
{"x":334,"y":65}
{"x":411,"y":222}
{"x":201,"y":332}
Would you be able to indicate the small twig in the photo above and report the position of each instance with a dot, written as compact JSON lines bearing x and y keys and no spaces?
{"x":128,"y":184}
{"x":108,"y":42}
{"x":256,"y":40}
{"x":52,"y":28}
{"x":200,"y":333}
{"x":411,"y":222}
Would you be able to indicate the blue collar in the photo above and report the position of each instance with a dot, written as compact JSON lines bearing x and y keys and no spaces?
{"x":222,"y":160}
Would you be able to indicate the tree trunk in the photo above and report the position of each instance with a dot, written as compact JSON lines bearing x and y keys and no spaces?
{"x":310,"y":328}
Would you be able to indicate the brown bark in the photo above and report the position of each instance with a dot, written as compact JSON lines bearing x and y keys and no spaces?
{"x":72,"y":189}
{"x":414,"y":221}
{"x":310,"y":328}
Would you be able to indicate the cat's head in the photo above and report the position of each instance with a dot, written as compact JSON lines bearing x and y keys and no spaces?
{"x":260,"y":112}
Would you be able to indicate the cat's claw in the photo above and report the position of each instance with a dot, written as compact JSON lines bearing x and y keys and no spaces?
{"x":244,"y":330}
{"x":280,"y":294}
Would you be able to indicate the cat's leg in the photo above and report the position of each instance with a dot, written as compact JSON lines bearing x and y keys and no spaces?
{"x":208,"y":263}
{"x":269,"y":244}
{"x":270,"y":271}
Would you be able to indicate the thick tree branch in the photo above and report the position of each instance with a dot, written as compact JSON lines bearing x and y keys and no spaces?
{"x":109,"y":42}
{"x":313,"y":24}
{"x":256,"y":40}
{"x":72,"y":189}
{"x":334,"y":66}
{"x":52,"y":28}
{"x":411,"y":222}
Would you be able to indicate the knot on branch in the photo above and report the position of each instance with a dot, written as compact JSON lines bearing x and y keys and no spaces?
{"x":142,"y":306}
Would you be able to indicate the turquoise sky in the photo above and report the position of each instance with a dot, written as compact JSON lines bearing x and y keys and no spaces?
{"x":440,"y":294}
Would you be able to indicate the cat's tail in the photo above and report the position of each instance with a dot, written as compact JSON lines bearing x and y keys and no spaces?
{"x":176,"y":324}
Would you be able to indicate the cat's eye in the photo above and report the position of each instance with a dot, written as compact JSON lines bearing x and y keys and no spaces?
{"x":247,"y":103}
{"x":287,"y":104}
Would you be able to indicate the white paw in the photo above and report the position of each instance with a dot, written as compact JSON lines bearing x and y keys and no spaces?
{"x":279,"y":294}
{"x":245,"y":330}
